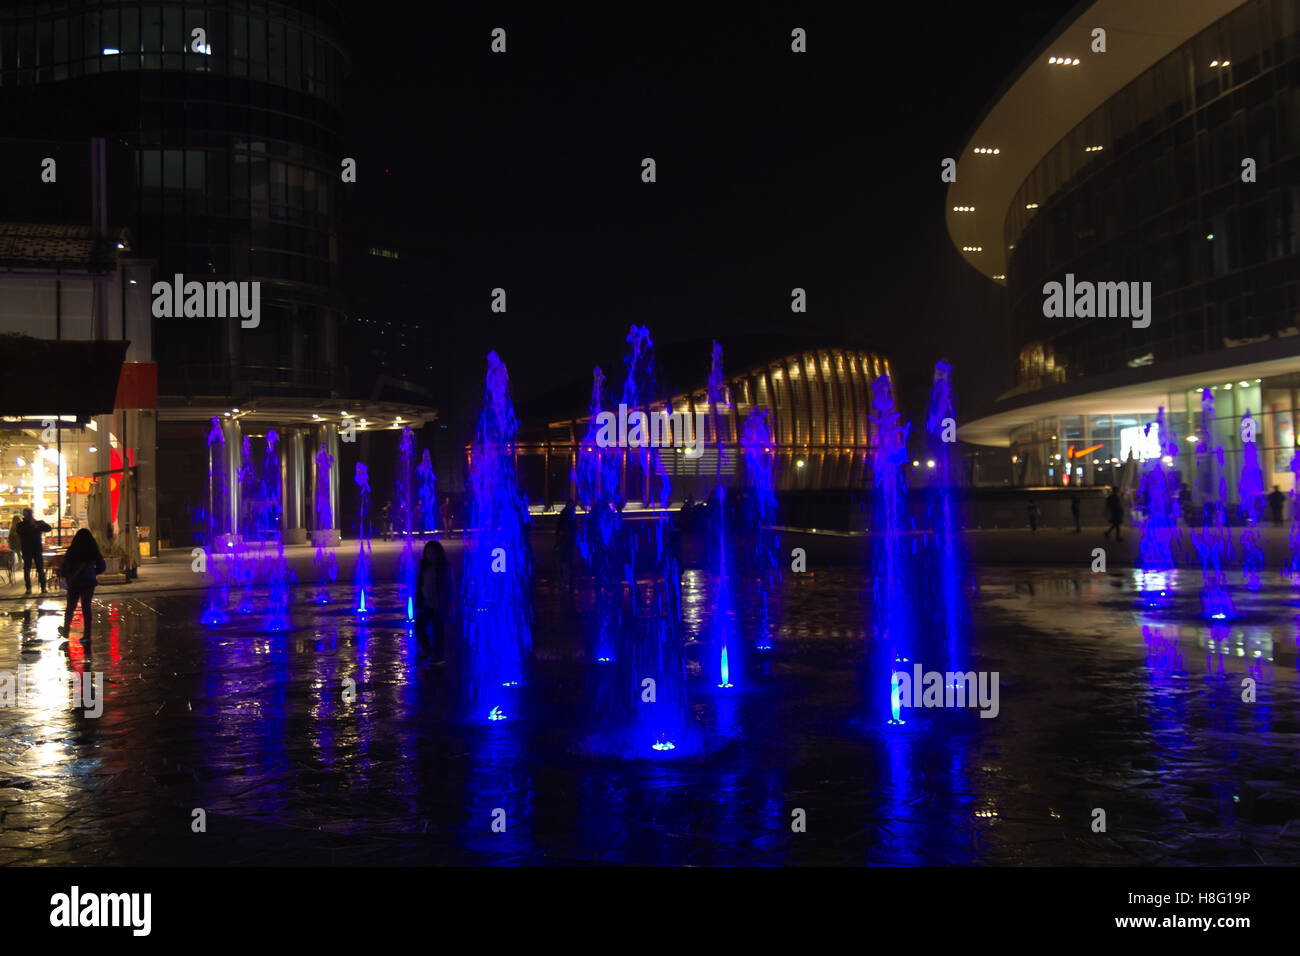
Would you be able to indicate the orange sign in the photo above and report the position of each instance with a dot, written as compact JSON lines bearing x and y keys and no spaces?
{"x":78,"y":485}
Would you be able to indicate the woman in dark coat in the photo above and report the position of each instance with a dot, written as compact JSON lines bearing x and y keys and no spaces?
{"x":81,"y":566}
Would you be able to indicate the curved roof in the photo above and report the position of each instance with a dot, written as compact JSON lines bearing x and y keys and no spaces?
{"x":1043,"y":102}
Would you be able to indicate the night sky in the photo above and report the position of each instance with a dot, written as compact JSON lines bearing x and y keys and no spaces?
{"x":775,"y":170}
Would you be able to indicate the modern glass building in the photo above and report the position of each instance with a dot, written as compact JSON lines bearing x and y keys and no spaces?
{"x":227,"y":116}
{"x":1163,"y":150}
{"x":819,"y":402}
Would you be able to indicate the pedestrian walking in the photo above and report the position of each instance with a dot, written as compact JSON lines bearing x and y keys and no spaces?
{"x":80,"y":568}
{"x":1114,"y":514}
{"x":1275,"y":500}
{"x":29,"y":535}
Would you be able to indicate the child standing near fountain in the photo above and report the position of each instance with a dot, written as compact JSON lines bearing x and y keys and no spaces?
{"x":433,"y":597}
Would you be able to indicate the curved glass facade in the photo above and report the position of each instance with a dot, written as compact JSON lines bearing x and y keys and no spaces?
{"x":1149,"y":188}
{"x":819,"y":402}
{"x":236,"y":148}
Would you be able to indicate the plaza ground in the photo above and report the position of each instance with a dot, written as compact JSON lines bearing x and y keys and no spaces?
{"x":1105,"y":703}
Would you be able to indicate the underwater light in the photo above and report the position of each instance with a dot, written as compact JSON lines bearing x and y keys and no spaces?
{"x":510,"y":683}
{"x":1219,"y":616}
{"x":497,"y":714}
{"x":662,"y":744}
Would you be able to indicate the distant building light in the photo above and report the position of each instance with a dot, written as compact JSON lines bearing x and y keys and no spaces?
{"x":929,"y":463}
{"x":1093,"y":149}
{"x":111,"y":51}
{"x":972,"y":248}
{"x":1000,"y":275}
{"x":1063,"y":60}
{"x":384,"y":253}
{"x":963,"y":208}
{"x":987,"y":150}
{"x":1031,"y":205}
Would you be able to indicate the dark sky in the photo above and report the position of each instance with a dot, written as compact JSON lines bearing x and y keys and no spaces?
{"x":775,"y":170}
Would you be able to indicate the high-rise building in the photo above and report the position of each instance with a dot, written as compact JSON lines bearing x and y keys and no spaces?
{"x":228,"y":118}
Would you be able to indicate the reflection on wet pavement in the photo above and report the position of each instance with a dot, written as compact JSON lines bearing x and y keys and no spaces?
{"x":1112,"y":697}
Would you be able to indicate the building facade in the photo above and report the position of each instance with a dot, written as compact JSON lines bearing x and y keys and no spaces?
{"x":818,"y":403}
{"x":224,"y":126}
{"x":1166,"y":166}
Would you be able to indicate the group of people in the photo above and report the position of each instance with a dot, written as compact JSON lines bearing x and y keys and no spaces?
{"x":80,"y":566}
{"x":446,"y":517}
{"x":1113,"y":508}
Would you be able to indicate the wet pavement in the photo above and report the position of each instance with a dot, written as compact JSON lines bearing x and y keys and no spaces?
{"x":1105,"y":703}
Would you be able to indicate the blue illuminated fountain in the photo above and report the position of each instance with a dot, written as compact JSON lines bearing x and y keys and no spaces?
{"x":327,"y":566}
{"x":1293,"y":566}
{"x":247,"y":541}
{"x":758,"y":447}
{"x":725,"y":648}
{"x":279,"y":576}
{"x":1251,"y":491}
{"x":218,"y":594}
{"x":641,"y":701}
{"x":1159,"y":495}
{"x":597,"y":479}
{"x":892,"y":555}
{"x":948,"y":557}
{"x":362,"y":578}
{"x":403,"y":518}
{"x":1213,"y":544}
{"x":428,"y":494}
{"x":496,"y":597}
